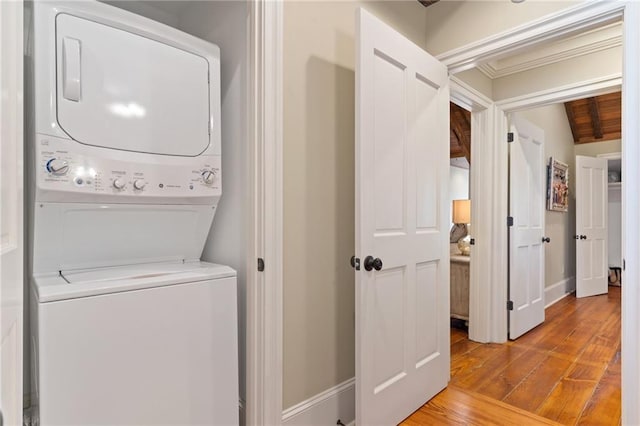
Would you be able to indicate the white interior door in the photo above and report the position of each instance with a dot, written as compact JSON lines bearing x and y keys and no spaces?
{"x":527,"y":182}
{"x":11,"y":222}
{"x":402,"y":219}
{"x":591,"y":226}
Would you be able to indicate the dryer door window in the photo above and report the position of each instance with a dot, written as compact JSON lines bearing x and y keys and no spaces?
{"x":119,"y":90}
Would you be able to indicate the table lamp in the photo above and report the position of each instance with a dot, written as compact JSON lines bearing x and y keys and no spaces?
{"x":462,"y":216}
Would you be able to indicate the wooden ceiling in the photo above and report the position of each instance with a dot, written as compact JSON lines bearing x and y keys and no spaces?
{"x":595,"y":119}
{"x":459,"y":132}
{"x":427,"y":3}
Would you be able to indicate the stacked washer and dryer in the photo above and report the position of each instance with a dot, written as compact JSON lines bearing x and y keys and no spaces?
{"x":128,"y":326}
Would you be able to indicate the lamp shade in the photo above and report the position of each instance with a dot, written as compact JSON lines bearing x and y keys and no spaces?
{"x":461,"y":211}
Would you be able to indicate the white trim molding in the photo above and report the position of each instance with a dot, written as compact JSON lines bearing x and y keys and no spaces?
{"x":583,"y":17}
{"x":326,"y":408}
{"x":566,"y":93}
{"x":558,"y":291}
{"x":466,"y":96}
{"x":630,"y":209}
{"x":604,"y":38}
{"x":264,"y":289}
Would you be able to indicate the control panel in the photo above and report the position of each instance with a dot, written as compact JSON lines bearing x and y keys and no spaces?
{"x":65,"y":165}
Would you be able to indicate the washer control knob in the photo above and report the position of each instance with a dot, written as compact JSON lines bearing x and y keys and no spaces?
{"x":139,"y":184}
{"x":57,"y":167}
{"x":208,"y":176}
{"x":119,"y":183}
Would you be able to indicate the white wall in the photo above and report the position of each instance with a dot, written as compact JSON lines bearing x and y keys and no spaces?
{"x":596,"y":148}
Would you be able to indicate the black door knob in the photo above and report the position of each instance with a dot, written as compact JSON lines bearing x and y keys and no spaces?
{"x":372,"y":263}
{"x":583,"y":237}
{"x":546,"y":239}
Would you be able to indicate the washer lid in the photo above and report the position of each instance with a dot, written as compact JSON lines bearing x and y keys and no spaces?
{"x":99,"y":281}
{"x":121,"y":90}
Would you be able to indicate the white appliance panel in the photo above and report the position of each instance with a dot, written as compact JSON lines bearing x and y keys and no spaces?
{"x":161,"y":356}
{"x":91,"y":174}
{"x":78,"y":236}
{"x":120,"y":90}
{"x":75,"y":284}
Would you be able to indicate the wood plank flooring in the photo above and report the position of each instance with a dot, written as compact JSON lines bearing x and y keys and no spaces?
{"x":566,"y":370}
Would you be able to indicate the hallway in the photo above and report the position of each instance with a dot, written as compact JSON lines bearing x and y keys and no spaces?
{"x":567,"y":370}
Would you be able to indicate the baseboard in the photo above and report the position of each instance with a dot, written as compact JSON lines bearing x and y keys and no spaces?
{"x":326,"y":408}
{"x":559,"y":290}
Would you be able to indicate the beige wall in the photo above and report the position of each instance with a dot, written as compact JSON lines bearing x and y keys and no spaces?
{"x":319,"y":199}
{"x":596,"y":148}
{"x":479,"y":81}
{"x":560,"y":254}
{"x":319,"y":163}
{"x":452,"y":24}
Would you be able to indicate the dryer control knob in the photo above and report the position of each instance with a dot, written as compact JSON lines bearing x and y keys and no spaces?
{"x":208,"y":176}
{"x":119,"y":183}
{"x":139,"y":184}
{"x":57,"y":167}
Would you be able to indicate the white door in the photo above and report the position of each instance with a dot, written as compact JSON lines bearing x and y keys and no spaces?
{"x":402,"y":219}
{"x":11,"y":222}
{"x":591,"y":226}
{"x":527,"y":182}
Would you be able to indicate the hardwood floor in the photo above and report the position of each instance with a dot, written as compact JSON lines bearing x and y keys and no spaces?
{"x":566,"y":370}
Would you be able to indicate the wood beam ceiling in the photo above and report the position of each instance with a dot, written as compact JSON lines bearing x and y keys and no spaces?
{"x":460,"y":132}
{"x":595,"y":119}
{"x":427,"y":3}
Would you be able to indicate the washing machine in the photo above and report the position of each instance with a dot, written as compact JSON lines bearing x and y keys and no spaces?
{"x":128,"y":326}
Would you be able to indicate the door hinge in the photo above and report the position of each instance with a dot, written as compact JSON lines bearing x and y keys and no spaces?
{"x":624,"y":264}
{"x":510,"y":137}
{"x":472,"y":242}
{"x":509,"y":220}
{"x":260,"y":264}
{"x":510,"y":305}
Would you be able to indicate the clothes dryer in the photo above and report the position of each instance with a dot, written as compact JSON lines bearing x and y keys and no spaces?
{"x":128,"y":326}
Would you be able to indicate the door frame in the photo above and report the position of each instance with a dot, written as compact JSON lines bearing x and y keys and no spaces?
{"x":12,"y":243}
{"x":264,"y":290}
{"x":264,"y":298}
{"x":581,"y":17}
{"x":482,"y":116}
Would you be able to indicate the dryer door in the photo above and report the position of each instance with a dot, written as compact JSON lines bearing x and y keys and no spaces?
{"x":120,"y":90}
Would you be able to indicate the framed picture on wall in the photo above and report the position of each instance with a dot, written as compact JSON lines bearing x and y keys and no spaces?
{"x":557,"y":186}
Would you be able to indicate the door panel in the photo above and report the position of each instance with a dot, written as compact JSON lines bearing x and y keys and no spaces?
{"x":123,"y":91}
{"x":591,"y":226}
{"x":526,"y":206}
{"x":402,"y":310}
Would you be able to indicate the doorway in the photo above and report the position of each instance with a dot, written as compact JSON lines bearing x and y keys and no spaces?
{"x":519,"y":104}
